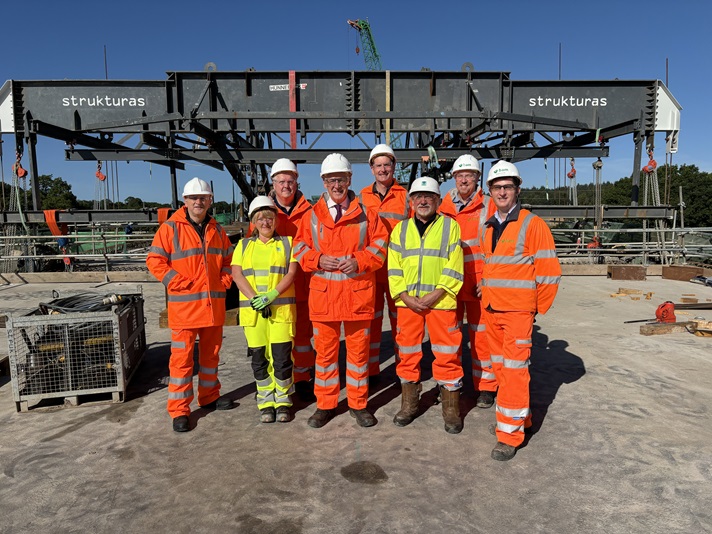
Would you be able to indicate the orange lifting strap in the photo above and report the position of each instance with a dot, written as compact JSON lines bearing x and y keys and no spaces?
{"x":163,"y":215}
{"x":51,"y":220}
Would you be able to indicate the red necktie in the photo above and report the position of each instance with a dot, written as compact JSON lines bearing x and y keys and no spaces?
{"x":338,"y":212}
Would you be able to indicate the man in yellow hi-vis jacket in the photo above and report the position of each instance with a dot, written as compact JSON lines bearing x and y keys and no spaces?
{"x":425,"y":273}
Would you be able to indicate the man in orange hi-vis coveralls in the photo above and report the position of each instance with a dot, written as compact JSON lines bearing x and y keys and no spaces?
{"x":425,"y":274}
{"x":191,"y":255}
{"x":520,"y":279}
{"x":390,"y":200}
{"x":342,"y":244}
{"x":470,"y":207}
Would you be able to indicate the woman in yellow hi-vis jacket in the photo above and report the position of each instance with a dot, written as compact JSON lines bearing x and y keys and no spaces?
{"x":263,"y":269}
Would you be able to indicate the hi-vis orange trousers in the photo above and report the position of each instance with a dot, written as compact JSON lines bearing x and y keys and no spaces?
{"x":180,"y":366}
{"x":510,"y":341}
{"x":445,"y":340}
{"x":326,"y":370}
{"x":303,"y":353}
{"x":482,"y":374}
{"x":374,"y":359}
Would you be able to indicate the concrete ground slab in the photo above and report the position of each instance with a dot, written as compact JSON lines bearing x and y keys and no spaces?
{"x":621,"y":443}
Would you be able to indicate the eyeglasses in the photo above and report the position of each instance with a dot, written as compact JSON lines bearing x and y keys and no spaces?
{"x":194,"y":198}
{"x":264,"y":220}
{"x":423,"y":196}
{"x":507,"y":188}
{"x":286,"y":183}
{"x":332,"y":181}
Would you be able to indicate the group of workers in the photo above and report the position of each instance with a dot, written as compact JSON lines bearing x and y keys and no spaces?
{"x":310,"y":271}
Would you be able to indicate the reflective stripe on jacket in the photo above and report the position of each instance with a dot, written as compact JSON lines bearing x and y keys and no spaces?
{"x":263,"y":266}
{"x":394,"y":207}
{"x":196,"y":274}
{"x":420,"y":265}
{"x":359,"y":234}
{"x":523,"y":272}
{"x":471,"y":220}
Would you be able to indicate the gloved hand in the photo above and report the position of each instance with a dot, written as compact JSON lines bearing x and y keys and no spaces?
{"x":266,"y":312}
{"x":263,"y":300}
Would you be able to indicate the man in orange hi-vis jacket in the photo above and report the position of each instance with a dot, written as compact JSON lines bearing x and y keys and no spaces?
{"x":520,"y":279}
{"x":191,"y":255}
{"x":390,"y":200}
{"x":342,"y":244}
{"x":470,"y":207}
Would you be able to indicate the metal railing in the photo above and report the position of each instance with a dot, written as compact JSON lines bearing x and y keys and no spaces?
{"x":112,"y":250}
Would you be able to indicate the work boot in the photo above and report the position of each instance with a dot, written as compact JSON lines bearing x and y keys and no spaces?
{"x":409,"y":403}
{"x":267,"y":415}
{"x":283,"y":414}
{"x":320,"y":418}
{"x":451,"y":410}
{"x":181,"y":423}
{"x":485,"y":399}
{"x":221,"y":403}
{"x":363,"y":417}
{"x":503,"y":452}
{"x":305,"y":391}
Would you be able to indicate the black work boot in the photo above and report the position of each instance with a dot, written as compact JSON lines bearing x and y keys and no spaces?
{"x":363,"y":417}
{"x":320,"y":418}
{"x":485,"y":399}
{"x":451,"y":410}
{"x":409,"y":403}
{"x":221,"y":403}
{"x":181,"y":423}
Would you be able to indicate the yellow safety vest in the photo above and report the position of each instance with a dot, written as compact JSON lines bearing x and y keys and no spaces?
{"x":279,"y":253}
{"x":420,"y":265}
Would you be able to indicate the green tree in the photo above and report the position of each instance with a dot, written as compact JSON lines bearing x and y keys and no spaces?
{"x":56,"y":193}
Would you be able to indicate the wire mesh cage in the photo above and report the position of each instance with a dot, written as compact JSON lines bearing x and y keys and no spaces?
{"x":68,"y":352}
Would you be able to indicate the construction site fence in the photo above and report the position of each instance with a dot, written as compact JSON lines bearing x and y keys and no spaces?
{"x":113,"y":251}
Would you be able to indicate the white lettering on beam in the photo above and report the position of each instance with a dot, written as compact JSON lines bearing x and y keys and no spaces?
{"x":567,"y":102}
{"x":285,"y":87}
{"x":103,"y":101}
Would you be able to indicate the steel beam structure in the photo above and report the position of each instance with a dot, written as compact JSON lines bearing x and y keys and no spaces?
{"x":231,"y":119}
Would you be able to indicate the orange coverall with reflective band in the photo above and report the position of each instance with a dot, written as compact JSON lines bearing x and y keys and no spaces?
{"x":471,"y":220}
{"x":394,"y":208}
{"x":197,"y":275}
{"x":302,"y":353}
{"x":520,"y":278}
{"x":336,"y":297}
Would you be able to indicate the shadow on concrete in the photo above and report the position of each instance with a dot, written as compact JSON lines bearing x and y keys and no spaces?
{"x":152,"y":373}
{"x":551,"y":366}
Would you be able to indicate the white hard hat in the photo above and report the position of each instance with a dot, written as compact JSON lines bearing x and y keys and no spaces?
{"x":196,"y":186}
{"x":425,"y":185}
{"x":335,"y":163}
{"x":261,"y":202}
{"x":283,"y":165}
{"x":466,"y":162}
{"x":503,"y":169}
{"x":381,"y":150}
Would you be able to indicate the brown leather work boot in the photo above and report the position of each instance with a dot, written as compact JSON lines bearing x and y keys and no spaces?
{"x":409,"y":403}
{"x":451,"y":410}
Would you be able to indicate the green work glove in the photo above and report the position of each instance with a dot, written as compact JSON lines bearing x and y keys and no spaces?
{"x":264,"y":299}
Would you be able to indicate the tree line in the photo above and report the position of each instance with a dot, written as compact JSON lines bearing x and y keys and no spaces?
{"x":696,"y":185}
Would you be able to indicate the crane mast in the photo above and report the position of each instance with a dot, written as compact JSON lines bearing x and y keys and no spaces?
{"x":373,"y":62}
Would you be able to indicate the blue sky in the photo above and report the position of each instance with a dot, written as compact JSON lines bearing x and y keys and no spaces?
{"x":600,"y":40}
